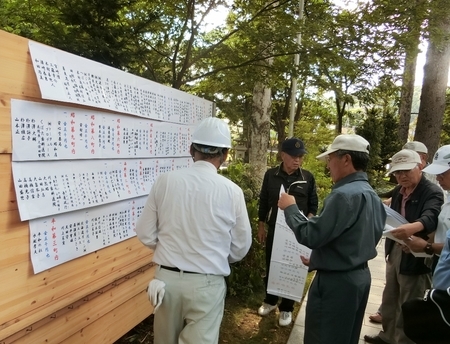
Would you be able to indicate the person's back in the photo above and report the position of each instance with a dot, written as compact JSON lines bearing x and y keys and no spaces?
{"x":197,"y":222}
{"x":347,"y":247}
{"x":195,"y":226}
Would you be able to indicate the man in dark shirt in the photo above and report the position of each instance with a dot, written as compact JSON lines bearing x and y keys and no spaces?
{"x":304,"y":191}
{"x":419,"y":201}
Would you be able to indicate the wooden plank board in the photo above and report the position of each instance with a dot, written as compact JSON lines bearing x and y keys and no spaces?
{"x":8,"y":200}
{"x":29,"y":299}
{"x":114,"y":324}
{"x":60,"y":328}
{"x":17,"y":76}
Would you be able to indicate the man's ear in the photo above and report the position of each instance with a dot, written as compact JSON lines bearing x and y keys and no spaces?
{"x":192,"y":151}
{"x":225,"y":154}
{"x":348,"y":158}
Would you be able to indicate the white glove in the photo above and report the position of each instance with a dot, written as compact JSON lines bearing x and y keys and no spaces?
{"x":155,"y":291}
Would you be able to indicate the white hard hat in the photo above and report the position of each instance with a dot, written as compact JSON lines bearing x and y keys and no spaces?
{"x":212,"y":132}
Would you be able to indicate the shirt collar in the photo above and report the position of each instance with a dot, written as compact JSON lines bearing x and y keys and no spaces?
{"x":359,"y":175}
{"x":205,"y":165}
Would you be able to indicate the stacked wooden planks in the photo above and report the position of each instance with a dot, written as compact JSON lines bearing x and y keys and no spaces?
{"x":93,"y":299}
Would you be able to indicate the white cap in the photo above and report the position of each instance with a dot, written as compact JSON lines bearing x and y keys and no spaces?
{"x":441,"y":161}
{"x":349,"y":142}
{"x":212,"y":132}
{"x":416,"y":146}
{"x":404,"y":160}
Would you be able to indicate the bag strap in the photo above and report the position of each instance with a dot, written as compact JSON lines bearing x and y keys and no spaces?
{"x":439,"y":307}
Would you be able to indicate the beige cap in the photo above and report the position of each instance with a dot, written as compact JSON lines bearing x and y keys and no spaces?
{"x":404,"y":160}
{"x":416,"y":146}
{"x":348,"y":142}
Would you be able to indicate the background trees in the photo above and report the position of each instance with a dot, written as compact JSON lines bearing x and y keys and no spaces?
{"x":246,"y":62}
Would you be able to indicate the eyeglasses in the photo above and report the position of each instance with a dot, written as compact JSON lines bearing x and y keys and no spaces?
{"x":402,"y":172}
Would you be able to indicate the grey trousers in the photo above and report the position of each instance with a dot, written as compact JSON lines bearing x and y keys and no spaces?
{"x":398,"y":289}
{"x":335,"y":307}
{"x":192,"y":308}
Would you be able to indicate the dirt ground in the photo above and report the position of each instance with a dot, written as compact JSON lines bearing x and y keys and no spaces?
{"x":241,"y":325}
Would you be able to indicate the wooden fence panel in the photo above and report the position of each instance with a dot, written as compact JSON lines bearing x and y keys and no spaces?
{"x":92,"y":299}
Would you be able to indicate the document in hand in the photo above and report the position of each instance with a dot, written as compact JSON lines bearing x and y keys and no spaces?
{"x":287,"y":273}
{"x":393,"y":220}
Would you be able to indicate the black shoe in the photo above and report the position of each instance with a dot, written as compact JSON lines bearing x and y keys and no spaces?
{"x":374,"y":340}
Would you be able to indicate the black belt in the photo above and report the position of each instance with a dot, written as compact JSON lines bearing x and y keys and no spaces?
{"x":358,"y":267}
{"x":170,"y":268}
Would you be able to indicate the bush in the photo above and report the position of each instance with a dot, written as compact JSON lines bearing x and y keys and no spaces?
{"x":246,"y":276}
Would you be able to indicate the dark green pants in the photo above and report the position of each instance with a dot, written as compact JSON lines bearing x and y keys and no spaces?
{"x":335,"y":307}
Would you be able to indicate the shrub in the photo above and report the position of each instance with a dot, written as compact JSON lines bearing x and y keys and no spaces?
{"x":246,"y":276}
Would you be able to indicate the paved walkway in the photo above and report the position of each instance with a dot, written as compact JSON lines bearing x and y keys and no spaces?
{"x":377,"y":269}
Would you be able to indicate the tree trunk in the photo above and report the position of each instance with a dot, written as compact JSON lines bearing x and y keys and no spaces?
{"x":406,"y":98}
{"x":260,"y":129}
{"x":340,"y":111}
{"x":432,"y":99}
{"x":409,"y":70}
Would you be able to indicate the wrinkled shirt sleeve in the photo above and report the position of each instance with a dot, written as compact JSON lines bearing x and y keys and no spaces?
{"x":336,"y":216}
{"x":147,"y":224}
{"x":241,"y":233}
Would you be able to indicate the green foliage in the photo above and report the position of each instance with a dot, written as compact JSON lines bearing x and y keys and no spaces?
{"x":381,"y":132}
{"x":313,"y":129}
{"x":372,"y":131}
{"x":445,"y":133}
{"x":246,"y":276}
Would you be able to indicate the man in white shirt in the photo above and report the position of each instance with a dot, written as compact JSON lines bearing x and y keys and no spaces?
{"x":196,"y":221}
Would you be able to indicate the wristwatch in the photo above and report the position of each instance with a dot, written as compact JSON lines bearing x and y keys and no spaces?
{"x":429,"y":249}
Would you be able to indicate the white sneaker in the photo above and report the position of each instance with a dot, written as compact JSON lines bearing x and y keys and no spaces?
{"x":266,"y":309}
{"x":285,"y":318}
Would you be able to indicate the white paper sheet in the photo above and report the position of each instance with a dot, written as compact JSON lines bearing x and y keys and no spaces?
{"x":288,"y":274}
{"x":42,"y":132}
{"x":57,"y":239}
{"x":387,"y":234}
{"x":69,"y":78}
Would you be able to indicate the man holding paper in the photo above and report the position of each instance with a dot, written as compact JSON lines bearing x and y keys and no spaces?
{"x":343,"y":238}
{"x":302,"y":185}
{"x":423,"y":321}
{"x":419,"y":201}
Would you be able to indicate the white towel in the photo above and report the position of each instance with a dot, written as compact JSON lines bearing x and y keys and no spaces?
{"x":155,"y":291}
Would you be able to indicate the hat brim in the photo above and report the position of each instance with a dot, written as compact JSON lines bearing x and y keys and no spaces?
{"x":295,"y":152}
{"x":324,"y":155}
{"x":403,"y":167}
{"x":436,"y":169}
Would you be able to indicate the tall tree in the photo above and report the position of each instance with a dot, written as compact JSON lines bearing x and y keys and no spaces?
{"x":410,"y":40}
{"x":432,"y":99}
{"x":404,"y":18}
{"x":348,"y":53}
